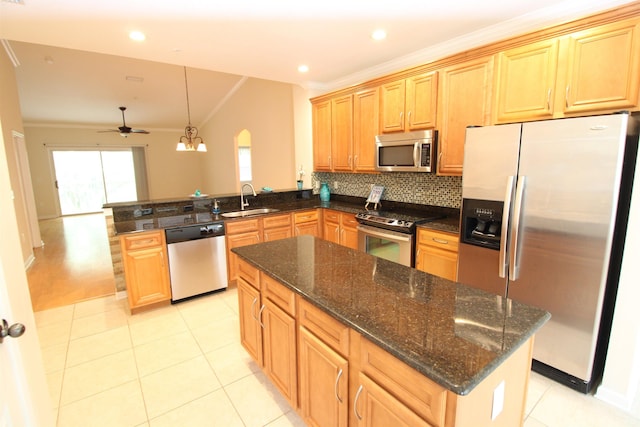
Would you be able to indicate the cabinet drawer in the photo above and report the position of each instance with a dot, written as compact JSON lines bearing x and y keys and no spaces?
{"x":143,"y":240}
{"x":439,"y":239}
{"x":249,"y":273}
{"x":279,"y":294}
{"x":421,"y":395}
{"x":332,"y":216}
{"x":349,"y":220}
{"x":275,"y":221}
{"x":234,"y":227}
{"x":305,"y":216}
{"x":329,"y":330}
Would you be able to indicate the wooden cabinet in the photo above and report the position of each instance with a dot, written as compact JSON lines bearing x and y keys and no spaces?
{"x":342,"y":133}
{"x":602,"y":68}
{"x":323,"y":350}
{"x":307,"y":222}
{"x":437,"y":253}
{"x":321,"y":116}
{"x":250,"y":329}
{"x":146,"y":269}
{"x":464,"y":100}
{"x":366,"y":104}
{"x":409,"y":104}
{"x":251,"y":231}
{"x":340,"y":227}
{"x":525,"y":82}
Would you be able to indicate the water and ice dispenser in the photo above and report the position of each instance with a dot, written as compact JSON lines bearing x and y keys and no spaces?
{"x":482,"y":223}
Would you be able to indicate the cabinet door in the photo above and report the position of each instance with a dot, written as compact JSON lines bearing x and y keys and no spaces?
{"x":235,"y":241}
{"x":375,"y":407}
{"x":280,"y":351}
{"x":331,"y":226}
{"x":147,"y":275}
{"x":322,"y":136}
{"x":250,"y":329}
{"x":603,"y":68}
{"x":525,"y":82}
{"x":365,"y":128}
{"x":342,"y":133}
{"x":437,"y":261}
{"x":392,"y":106}
{"x":324,"y":383}
{"x":421,"y":101}
{"x":348,"y":231}
{"x":465,"y":99}
{"x":308,"y":228}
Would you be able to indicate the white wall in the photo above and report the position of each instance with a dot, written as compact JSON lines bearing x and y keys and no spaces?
{"x":303,"y":127}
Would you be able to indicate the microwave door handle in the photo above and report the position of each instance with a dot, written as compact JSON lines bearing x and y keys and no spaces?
{"x":416,"y":154}
{"x":506,"y":211}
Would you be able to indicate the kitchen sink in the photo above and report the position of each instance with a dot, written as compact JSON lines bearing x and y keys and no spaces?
{"x":249,"y":212}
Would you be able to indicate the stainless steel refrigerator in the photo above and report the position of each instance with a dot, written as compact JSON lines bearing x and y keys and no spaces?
{"x":544,"y":214}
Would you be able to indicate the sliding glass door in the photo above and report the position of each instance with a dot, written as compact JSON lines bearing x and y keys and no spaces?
{"x":87,"y":179}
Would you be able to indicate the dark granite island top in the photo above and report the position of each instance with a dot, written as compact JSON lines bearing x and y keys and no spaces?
{"x":453,"y":334}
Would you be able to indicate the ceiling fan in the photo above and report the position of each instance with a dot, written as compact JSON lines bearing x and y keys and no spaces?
{"x":125,"y":130}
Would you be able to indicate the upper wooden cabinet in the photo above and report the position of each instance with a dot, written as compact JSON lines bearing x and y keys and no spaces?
{"x":465,"y":100}
{"x":525,"y":82}
{"x":602,"y":68}
{"x":365,"y":128}
{"x":342,"y":133}
{"x":322,"y":136}
{"x":409,"y":104}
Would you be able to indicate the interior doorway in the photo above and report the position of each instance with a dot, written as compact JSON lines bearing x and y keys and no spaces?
{"x":87,"y":179}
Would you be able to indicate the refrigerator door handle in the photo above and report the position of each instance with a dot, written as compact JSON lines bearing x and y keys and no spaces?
{"x":515,"y":230}
{"x":502,"y":258}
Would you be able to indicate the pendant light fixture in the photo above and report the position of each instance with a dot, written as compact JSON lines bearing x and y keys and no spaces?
{"x":190,"y":140}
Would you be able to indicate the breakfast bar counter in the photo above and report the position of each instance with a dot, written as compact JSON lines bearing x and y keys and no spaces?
{"x":454,"y":335}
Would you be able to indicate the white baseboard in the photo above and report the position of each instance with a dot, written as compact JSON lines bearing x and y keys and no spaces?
{"x":29,"y":261}
{"x":121,"y":295}
{"x":614,"y":398}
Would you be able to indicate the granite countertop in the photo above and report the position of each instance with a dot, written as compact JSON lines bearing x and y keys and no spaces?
{"x":453,"y":334}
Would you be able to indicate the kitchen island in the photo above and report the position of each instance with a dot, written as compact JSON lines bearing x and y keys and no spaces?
{"x":439,"y":352}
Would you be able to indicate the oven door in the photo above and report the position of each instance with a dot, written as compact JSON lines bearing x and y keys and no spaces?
{"x":391,"y":245}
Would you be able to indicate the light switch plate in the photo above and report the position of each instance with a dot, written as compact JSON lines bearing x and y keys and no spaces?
{"x":498,"y":401}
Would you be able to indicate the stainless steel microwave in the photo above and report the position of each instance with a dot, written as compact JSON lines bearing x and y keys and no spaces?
{"x":407,"y":152}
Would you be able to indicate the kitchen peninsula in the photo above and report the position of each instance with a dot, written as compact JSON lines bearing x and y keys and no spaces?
{"x":352,"y":339}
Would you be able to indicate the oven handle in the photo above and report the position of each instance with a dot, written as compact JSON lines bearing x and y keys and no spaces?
{"x":384,"y":234}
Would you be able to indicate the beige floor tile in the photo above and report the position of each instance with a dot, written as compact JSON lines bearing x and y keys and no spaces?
{"x":53,"y":357}
{"x":54,"y":381}
{"x":98,"y":305}
{"x":532,"y":422}
{"x":256,"y":400}
{"x":172,"y":387}
{"x":213,"y":410}
{"x":538,"y":385}
{"x":156,"y":326}
{"x":165,"y":352}
{"x":98,"y":345}
{"x":218,"y":334}
{"x":54,"y":333}
{"x":205,"y":310}
{"x":98,"y":375}
{"x":231,"y":363}
{"x":290,"y":419}
{"x":230,"y":298}
{"x":119,"y":406}
{"x":96,"y":323}
{"x":563,"y":407}
{"x":54,"y":315}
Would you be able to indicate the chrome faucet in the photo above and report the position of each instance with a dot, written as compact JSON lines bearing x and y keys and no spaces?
{"x":244,"y":203}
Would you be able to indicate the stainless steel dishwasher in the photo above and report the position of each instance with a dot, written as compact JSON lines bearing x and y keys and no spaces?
{"x":197,"y":260}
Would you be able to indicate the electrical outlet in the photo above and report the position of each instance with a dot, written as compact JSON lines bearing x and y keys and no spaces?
{"x":498,"y":401}
{"x":335,"y":185}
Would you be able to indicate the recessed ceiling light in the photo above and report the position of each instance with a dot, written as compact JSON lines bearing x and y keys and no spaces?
{"x":137,"y":36}
{"x":379,"y":35}
{"x":303,"y":68}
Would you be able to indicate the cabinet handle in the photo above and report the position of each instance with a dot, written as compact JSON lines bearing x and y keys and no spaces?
{"x":566,"y":96}
{"x":355,"y":160}
{"x":355,"y":403}
{"x":409,"y":117}
{"x":259,"y":319}
{"x":335,"y":386}
{"x":549,"y":99}
{"x":401,"y":117}
{"x":255,"y":300}
{"x":442,"y":242}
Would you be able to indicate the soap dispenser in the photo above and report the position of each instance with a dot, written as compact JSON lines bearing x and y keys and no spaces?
{"x":216,"y":207}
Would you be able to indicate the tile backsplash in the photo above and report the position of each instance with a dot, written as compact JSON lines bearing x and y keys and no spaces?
{"x":409,"y":187}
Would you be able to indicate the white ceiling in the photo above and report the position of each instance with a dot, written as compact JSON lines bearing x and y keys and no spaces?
{"x":222,"y":43}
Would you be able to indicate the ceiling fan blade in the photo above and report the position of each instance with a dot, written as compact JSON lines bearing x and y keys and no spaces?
{"x":109,"y":130}
{"x":139,"y":131}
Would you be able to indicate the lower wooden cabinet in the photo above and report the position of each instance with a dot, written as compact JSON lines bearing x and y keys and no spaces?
{"x":250,"y":329}
{"x":146,"y":269}
{"x":307,"y":222}
{"x":340,"y":227}
{"x":437,"y":253}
